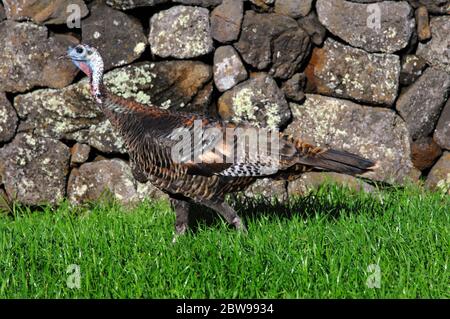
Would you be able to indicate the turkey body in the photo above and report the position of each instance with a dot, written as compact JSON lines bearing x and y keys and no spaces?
{"x":146,"y":132}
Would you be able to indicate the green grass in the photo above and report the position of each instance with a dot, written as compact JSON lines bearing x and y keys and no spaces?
{"x":318,"y":247}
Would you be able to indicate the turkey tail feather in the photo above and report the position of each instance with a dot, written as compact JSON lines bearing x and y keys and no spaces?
{"x":340,"y":162}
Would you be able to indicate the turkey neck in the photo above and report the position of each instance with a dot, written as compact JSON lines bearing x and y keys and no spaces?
{"x":128,"y":117}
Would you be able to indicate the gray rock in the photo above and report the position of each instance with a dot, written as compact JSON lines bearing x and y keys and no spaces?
{"x":119,"y":38}
{"x":131,"y":4}
{"x":258,"y":31}
{"x":105,"y":179}
{"x":258,"y":101}
{"x":422,"y":102}
{"x":35,"y":169}
{"x":313,"y":27}
{"x":442,"y":132}
{"x":8,"y":119}
{"x":201,"y":3}
{"x":412,"y":69}
{"x":439,"y":176}
{"x":71,"y":114}
{"x":263,"y":37}
{"x":375,"y":133}
{"x":44,"y":11}
{"x":424,"y":153}
{"x":352,"y":22}
{"x":294,"y":87}
{"x":293,"y":8}
{"x":269,"y":189}
{"x":313,"y":180}
{"x":228,"y":68}
{"x":342,"y":71}
{"x":29,"y":57}
{"x":226,"y":20}
{"x":181,"y":32}
{"x":79,"y":153}
{"x":290,"y":50}
{"x":2,"y":13}
{"x":437,"y":50}
{"x":423,"y":24}
{"x":433,"y":6}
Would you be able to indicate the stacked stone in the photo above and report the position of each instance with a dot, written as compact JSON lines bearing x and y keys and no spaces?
{"x":370,"y":77}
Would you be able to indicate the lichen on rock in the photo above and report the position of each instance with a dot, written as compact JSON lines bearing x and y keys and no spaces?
{"x":35,"y":169}
{"x":258,"y":101}
{"x":181,"y":32}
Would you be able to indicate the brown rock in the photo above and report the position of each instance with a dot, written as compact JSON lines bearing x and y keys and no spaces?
{"x":258,"y":33}
{"x":8,"y":119}
{"x":423,"y":24}
{"x":412,"y":68}
{"x":35,"y":169}
{"x":226,"y":20}
{"x":29,"y":57}
{"x":202,"y":102}
{"x":44,"y":11}
{"x":262,"y":5}
{"x":293,"y":88}
{"x":439,"y":176}
{"x":433,"y":6}
{"x":313,"y":27}
{"x":293,"y":8}
{"x":180,"y":83}
{"x":119,"y":38}
{"x":79,"y":153}
{"x":424,"y":153}
{"x":290,"y":50}
{"x":442,"y":132}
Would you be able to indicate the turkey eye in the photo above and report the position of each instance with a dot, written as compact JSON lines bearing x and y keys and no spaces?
{"x":79,"y":50}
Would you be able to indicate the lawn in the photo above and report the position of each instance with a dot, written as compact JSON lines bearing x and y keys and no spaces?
{"x":333,"y":243}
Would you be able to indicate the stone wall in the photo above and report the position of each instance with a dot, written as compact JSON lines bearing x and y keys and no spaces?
{"x":370,"y":77}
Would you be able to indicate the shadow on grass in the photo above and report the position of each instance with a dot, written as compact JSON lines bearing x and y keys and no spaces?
{"x":328,"y":201}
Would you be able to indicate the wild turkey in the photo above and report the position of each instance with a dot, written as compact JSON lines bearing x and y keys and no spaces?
{"x":215,"y":164}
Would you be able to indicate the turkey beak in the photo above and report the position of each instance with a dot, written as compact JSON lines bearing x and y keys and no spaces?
{"x":65,"y":56}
